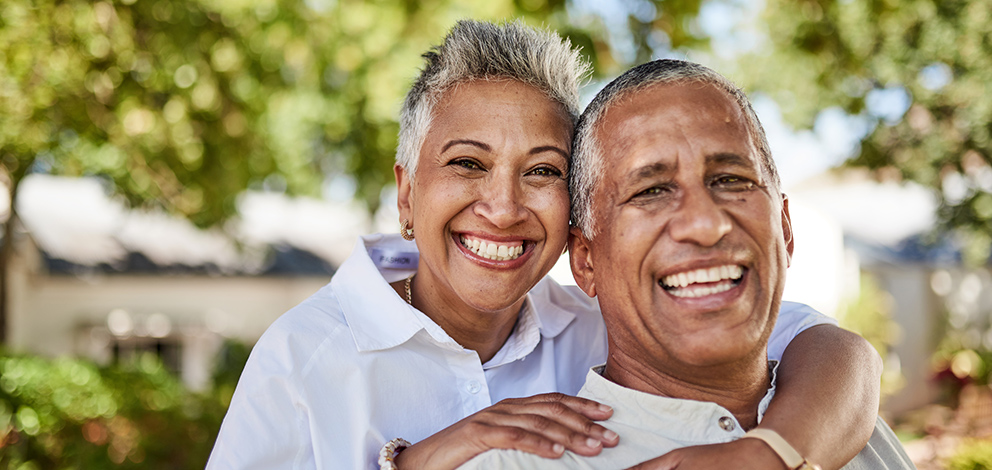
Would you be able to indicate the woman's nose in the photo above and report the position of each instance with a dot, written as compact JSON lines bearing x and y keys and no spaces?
{"x":501,"y":203}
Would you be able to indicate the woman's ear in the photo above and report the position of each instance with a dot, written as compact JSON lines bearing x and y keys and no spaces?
{"x":404,"y":188}
{"x":580,"y":258}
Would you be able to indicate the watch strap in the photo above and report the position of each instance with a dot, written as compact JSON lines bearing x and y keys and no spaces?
{"x":792,"y":459}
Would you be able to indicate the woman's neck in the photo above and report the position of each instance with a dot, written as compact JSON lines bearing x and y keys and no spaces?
{"x":481,"y":331}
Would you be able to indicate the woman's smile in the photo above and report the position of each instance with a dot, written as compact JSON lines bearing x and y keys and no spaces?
{"x":492,"y":250}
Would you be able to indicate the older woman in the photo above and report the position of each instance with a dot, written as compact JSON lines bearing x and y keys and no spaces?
{"x":454,"y":339}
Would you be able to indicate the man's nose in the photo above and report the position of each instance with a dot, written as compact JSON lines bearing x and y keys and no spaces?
{"x":699,"y":219}
{"x":501,"y":202}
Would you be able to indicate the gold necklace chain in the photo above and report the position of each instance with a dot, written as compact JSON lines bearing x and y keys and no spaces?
{"x":409,"y":294}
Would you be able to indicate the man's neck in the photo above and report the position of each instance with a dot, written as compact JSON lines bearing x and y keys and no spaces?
{"x":737,"y":386}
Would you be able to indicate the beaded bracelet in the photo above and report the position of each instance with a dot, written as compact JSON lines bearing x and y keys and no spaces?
{"x":388,"y":453}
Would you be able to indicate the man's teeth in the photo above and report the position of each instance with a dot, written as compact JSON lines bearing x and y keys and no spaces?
{"x":676,"y":283}
{"x":491,"y":250}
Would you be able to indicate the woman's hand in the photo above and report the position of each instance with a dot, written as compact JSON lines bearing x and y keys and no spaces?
{"x":545,"y":425}
{"x":743,"y":454}
{"x":825,"y":407}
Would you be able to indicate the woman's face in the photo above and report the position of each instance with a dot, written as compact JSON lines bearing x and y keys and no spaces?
{"x":489,"y":204}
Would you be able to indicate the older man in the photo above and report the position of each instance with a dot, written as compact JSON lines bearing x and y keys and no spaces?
{"x":684,"y":236}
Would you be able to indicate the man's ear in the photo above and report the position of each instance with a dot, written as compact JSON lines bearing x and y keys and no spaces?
{"x":403,"y":191}
{"x":580,"y":259}
{"x":790,"y":242}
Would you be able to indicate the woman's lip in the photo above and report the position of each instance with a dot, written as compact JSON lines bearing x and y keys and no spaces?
{"x":490,"y":263}
{"x":494,"y":238}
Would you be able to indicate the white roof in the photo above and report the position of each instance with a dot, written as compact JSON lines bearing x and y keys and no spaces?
{"x":76,"y":219}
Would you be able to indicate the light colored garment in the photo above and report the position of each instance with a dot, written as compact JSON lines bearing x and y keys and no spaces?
{"x":355,"y":366}
{"x":650,"y":426}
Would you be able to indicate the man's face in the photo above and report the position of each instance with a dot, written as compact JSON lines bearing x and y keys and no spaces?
{"x":689,"y":260}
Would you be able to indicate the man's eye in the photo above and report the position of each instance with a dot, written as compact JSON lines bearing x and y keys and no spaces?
{"x":652,"y":191}
{"x":734,"y":183}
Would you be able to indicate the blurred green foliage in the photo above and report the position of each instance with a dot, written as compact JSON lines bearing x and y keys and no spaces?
{"x":870,"y":315}
{"x":72,"y":414}
{"x":936,"y":53}
{"x":972,"y":455}
{"x":184,"y":104}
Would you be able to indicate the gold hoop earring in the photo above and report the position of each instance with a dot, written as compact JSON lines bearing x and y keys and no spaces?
{"x":406,"y":231}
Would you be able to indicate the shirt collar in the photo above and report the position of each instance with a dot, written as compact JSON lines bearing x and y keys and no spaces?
{"x":554,"y":309}
{"x":378,"y":317}
{"x":696,"y":418}
{"x":381,"y":319}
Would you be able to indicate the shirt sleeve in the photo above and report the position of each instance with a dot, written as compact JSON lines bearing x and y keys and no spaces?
{"x":793,"y":318}
{"x":265,"y":426}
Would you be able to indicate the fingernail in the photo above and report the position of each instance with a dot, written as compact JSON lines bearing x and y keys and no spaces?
{"x":605,"y":408}
{"x":558,"y":448}
{"x":610,"y":435}
{"x":594,"y":443}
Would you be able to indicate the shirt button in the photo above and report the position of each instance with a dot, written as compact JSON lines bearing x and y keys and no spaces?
{"x":727,"y":423}
{"x":473,"y":387}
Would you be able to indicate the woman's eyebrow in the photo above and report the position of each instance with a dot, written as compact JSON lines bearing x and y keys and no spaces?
{"x":474,"y":143}
{"x":549,"y":148}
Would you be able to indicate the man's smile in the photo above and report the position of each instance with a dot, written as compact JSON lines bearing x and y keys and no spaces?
{"x":702,"y":282}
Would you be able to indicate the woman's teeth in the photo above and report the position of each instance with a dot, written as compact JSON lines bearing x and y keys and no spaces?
{"x":493,"y":251}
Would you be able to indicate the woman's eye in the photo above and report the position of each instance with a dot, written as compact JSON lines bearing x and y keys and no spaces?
{"x":545,"y":171}
{"x":467,"y":164}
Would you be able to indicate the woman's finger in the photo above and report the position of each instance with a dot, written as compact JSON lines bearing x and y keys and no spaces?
{"x":573,"y":431}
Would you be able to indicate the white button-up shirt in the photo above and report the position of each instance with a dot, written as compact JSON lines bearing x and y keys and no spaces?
{"x":355,"y":366}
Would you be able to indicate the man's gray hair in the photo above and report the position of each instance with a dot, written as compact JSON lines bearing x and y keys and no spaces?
{"x":587,"y":155}
{"x":476,"y":50}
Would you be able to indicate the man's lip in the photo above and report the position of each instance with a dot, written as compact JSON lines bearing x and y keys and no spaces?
{"x":706,"y":282}
{"x":703,"y":274}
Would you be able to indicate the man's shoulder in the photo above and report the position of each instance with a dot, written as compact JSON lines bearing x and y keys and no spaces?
{"x":883,"y":452}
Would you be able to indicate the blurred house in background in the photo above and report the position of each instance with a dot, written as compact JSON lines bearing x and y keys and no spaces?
{"x":92,"y":278}
{"x":916,"y":278}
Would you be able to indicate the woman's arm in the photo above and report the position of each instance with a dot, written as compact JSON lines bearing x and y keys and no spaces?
{"x":827,"y":398}
{"x":825,"y":407}
{"x":544,"y":425}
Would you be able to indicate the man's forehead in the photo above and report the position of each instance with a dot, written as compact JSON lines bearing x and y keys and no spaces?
{"x":697,"y":117}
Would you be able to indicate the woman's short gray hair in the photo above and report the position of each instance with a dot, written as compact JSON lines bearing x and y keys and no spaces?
{"x":587,"y":154}
{"x":476,"y":50}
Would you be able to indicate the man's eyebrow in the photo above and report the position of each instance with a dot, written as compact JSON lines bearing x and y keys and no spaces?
{"x":474,"y":143}
{"x":648,"y":171}
{"x":729,"y":158}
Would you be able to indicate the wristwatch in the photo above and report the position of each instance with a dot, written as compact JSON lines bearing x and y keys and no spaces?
{"x":792,"y":459}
